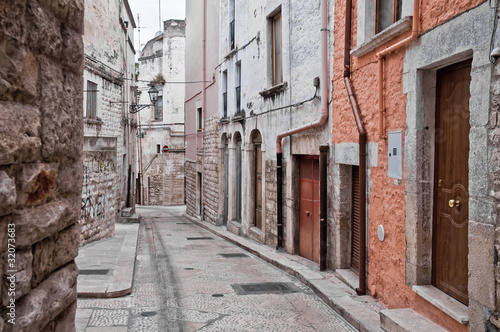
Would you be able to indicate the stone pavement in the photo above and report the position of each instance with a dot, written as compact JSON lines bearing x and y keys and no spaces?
{"x":362,"y":312}
{"x":106,"y":267}
{"x":118,"y":255}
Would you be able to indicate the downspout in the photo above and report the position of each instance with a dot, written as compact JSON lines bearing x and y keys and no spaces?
{"x":380,"y":57}
{"x":362,"y":148}
{"x":321,"y":121}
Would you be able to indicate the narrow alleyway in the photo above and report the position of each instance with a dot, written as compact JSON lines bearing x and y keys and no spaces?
{"x":188,"y":279}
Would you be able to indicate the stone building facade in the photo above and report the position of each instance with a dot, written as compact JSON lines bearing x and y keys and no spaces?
{"x":404,"y":169}
{"x":109,"y":143}
{"x":267,"y":80}
{"x":161,"y":174}
{"x":425,"y":86}
{"x":265,"y":117}
{"x":41,"y":140}
{"x":201,"y":110}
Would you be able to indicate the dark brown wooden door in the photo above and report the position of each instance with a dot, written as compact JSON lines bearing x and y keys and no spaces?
{"x":355,"y":222}
{"x":258,"y":186}
{"x":451,"y":198}
{"x":309,"y":208}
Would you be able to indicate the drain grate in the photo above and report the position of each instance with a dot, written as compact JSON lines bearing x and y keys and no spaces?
{"x":148,"y":313}
{"x":200,"y":238}
{"x":266,"y":288}
{"x":184,"y":223}
{"x":93,"y":272}
{"x":234,"y":255}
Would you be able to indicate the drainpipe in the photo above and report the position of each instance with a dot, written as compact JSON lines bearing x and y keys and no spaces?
{"x":380,"y":57}
{"x":361,"y":290}
{"x":318,"y":123}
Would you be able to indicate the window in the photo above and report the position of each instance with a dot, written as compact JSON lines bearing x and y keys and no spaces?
{"x":158,"y":113}
{"x":388,"y":12}
{"x":238,"y":87}
{"x":91,"y":112}
{"x":224,"y":94}
{"x":276,"y":49}
{"x":231,"y":24}
{"x":199,"y":116}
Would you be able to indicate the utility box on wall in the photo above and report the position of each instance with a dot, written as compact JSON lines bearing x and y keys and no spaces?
{"x":395,"y":163}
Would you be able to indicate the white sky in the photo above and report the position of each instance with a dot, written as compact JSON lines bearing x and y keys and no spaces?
{"x":149,"y":20}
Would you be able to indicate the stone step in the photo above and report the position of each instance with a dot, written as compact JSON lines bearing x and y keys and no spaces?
{"x":126,"y":212}
{"x":133,"y":219}
{"x":406,"y":320}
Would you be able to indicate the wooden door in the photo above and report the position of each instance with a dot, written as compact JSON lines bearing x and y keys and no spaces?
{"x":226,"y":183}
{"x":238,"y":179}
{"x":451,"y":197}
{"x":258,"y":186}
{"x":355,"y":221}
{"x":309,"y":208}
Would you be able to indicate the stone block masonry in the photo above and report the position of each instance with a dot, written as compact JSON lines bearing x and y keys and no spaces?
{"x":190,"y":184}
{"x":101,"y":193}
{"x":210,"y":170}
{"x":41,"y":140}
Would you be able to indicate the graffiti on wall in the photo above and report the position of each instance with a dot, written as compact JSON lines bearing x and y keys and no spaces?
{"x":99,"y":196}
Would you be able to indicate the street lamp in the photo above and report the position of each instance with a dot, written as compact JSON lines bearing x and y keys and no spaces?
{"x":153,"y":96}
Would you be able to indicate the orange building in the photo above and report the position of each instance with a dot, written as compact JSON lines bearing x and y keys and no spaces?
{"x":415,"y":128}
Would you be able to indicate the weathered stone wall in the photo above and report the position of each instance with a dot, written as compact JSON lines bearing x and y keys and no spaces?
{"x":211,"y":170}
{"x":271,"y":202}
{"x":190,"y":187}
{"x":108,"y":60}
{"x":41,"y":136}
{"x":164,"y":180}
{"x":100,"y":194}
{"x":494,"y":176}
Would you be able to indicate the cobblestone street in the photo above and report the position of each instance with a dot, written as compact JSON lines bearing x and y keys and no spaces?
{"x":188,"y":279}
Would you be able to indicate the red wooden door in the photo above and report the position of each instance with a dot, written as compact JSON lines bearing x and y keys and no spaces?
{"x":309,"y":208}
{"x":451,"y":197}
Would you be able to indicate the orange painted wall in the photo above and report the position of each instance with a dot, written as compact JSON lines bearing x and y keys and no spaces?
{"x":387,"y":199}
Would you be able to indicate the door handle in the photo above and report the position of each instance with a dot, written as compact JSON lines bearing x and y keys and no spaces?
{"x":308,"y":213}
{"x":453,"y":203}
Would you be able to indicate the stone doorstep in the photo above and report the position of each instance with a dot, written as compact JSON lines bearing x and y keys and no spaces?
{"x":127,"y":212}
{"x":133,"y":219}
{"x":443,"y":302}
{"x":407,"y":320}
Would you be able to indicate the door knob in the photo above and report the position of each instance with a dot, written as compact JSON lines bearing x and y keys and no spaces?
{"x":453,"y":203}
{"x":308,"y":213}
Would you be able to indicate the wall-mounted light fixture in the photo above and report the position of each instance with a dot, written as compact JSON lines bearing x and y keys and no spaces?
{"x":153,"y":96}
